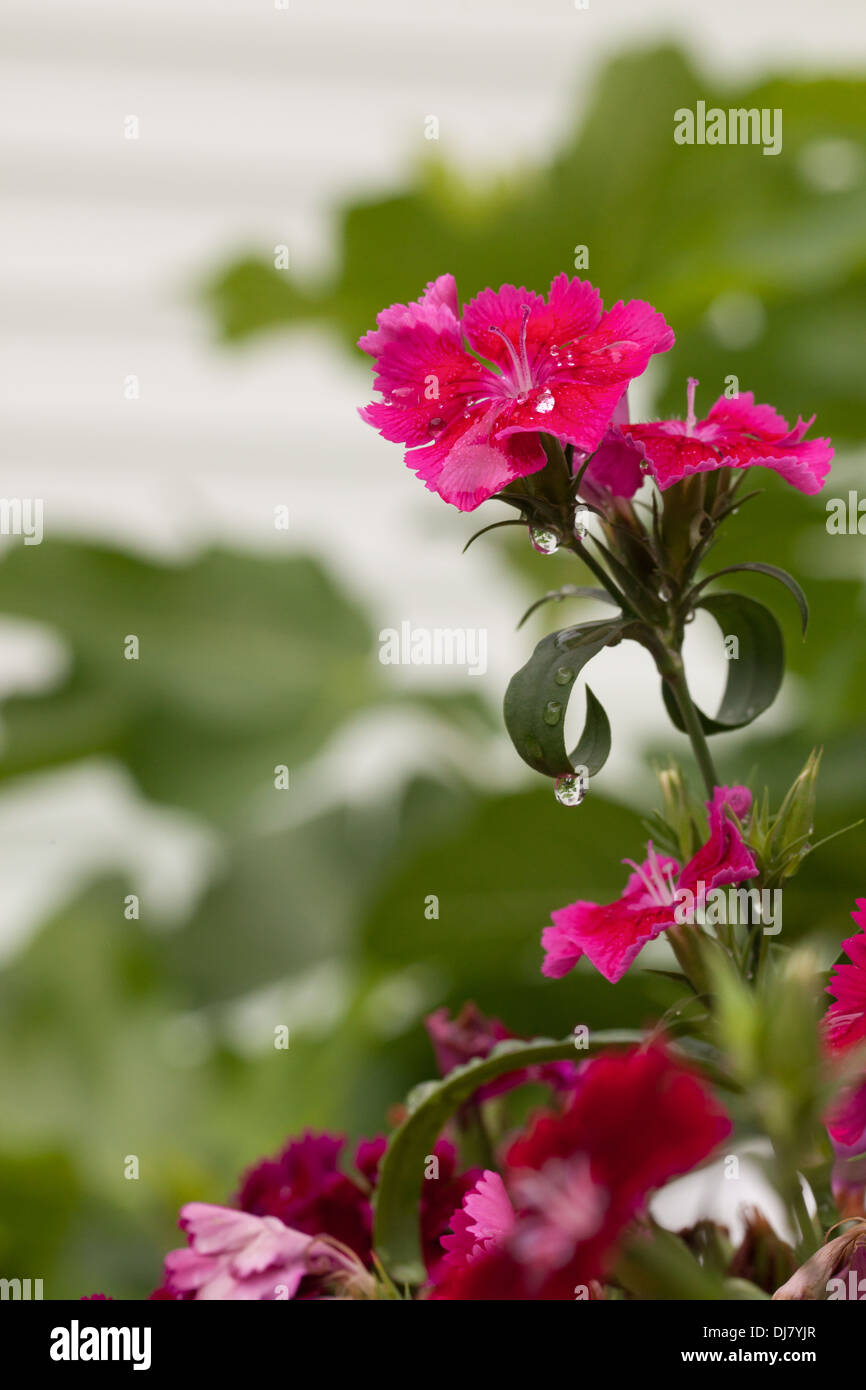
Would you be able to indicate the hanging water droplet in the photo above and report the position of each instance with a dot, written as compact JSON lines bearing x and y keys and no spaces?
{"x":563,"y":676}
{"x":570,"y":788}
{"x":546,"y":401}
{"x":644,"y":466}
{"x":665,"y":591}
{"x":552,"y":712}
{"x":544,"y":539}
{"x":690,"y":616}
{"x":580,"y":519}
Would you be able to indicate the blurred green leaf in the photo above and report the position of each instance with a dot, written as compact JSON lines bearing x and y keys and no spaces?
{"x":245,"y":663}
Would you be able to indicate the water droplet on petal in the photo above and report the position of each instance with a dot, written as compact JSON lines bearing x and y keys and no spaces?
{"x":563,"y":676}
{"x":436,"y":424}
{"x":570,"y":788}
{"x":552,"y":712}
{"x":581,"y":515}
{"x":544,"y":539}
{"x":546,"y":401}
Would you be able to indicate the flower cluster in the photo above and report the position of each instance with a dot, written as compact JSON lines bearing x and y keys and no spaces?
{"x":569,"y":1194}
{"x":523,"y":399}
{"x":471,"y":395}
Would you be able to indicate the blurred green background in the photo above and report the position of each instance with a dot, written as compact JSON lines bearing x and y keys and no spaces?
{"x":115,"y":1038}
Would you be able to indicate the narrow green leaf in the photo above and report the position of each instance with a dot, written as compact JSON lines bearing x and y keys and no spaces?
{"x":567,"y":591}
{"x":774,"y":572}
{"x":537,"y":699}
{"x":494,"y":526}
{"x":396,"y":1235}
{"x":754,"y":675}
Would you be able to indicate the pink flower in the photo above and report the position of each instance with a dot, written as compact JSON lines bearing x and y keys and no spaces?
{"x":484,"y":1222}
{"x":613,"y":934}
{"x":234,"y":1256}
{"x":439,"y":1197}
{"x":471,"y":1034}
{"x":736,"y":434}
{"x":845,"y":1020}
{"x":575,"y":1180}
{"x":845,"y":1029}
{"x":472,"y":416}
{"x":459,"y":1040}
{"x":614,"y":470}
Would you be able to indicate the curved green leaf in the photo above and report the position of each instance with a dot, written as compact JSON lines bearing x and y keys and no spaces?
{"x":774,"y":572}
{"x":567,"y":591}
{"x":494,"y":526}
{"x":754,"y":676}
{"x":537,"y":698}
{"x":396,"y":1235}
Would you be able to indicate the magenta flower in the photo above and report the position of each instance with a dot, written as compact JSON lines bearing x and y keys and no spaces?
{"x":575,"y":1180}
{"x":616,"y":467}
{"x":845,"y":1020}
{"x":613,"y":934}
{"x":483,"y":1223}
{"x":471,"y":396}
{"x":845,"y":1029}
{"x":471,"y":1034}
{"x":736,"y":434}
{"x":234,"y":1256}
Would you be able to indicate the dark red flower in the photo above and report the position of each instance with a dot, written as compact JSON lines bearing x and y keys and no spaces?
{"x":576,"y":1179}
{"x":307,"y":1190}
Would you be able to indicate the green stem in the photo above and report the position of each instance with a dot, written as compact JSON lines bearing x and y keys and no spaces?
{"x":601,"y":575}
{"x":676,"y":679}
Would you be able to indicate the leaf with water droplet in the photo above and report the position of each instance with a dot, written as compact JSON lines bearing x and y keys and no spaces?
{"x":537,"y":698}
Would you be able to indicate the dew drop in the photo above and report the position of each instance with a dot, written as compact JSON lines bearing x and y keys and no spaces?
{"x":570,"y":788}
{"x":436,"y":424}
{"x":552,"y":712}
{"x":545,"y":402}
{"x":580,"y":518}
{"x":544,"y":539}
{"x":644,"y":466}
{"x":665,"y":592}
{"x":563,"y":675}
